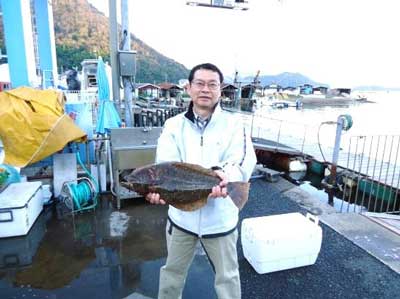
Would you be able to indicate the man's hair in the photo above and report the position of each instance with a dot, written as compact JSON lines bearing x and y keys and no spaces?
{"x":206,"y":66}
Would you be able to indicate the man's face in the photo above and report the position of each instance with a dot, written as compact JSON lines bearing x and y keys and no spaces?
{"x":205,"y":89}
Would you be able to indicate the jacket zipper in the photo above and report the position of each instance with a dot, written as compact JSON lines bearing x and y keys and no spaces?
{"x":200,"y":223}
{"x":201,"y":144}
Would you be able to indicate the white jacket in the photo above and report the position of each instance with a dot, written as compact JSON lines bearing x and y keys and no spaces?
{"x":224,"y":143}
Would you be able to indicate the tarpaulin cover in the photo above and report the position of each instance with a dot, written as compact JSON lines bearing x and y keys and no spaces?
{"x":33,"y":125}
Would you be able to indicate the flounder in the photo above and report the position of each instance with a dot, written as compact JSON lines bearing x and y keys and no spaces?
{"x":183,"y":185}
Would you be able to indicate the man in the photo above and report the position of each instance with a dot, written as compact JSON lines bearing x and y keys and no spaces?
{"x":213,"y":138}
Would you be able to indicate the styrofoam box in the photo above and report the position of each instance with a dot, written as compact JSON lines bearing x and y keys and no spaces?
{"x":20,"y":251}
{"x":20,"y":205}
{"x":279,"y":242}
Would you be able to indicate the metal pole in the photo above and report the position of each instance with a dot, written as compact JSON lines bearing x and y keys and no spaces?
{"x":126,"y":46}
{"x":335,"y":157}
{"x":114,"y":52}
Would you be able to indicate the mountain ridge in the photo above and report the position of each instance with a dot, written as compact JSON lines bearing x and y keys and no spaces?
{"x":284,"y":79}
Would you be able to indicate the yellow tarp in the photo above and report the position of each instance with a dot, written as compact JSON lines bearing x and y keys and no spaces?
{"x":33,"y":125}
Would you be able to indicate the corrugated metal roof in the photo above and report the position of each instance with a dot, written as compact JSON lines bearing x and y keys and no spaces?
{"x":146,"y":86}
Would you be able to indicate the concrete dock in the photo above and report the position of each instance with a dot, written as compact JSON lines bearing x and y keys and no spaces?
{"x":117,"y":254}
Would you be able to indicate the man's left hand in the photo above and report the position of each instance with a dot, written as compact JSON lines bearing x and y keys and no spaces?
{"x":220,"y":190}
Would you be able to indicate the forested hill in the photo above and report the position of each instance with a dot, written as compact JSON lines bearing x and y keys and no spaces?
{"x":81,"y":31}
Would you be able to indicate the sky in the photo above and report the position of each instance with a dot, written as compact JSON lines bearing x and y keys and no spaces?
{"x":343,"y":43}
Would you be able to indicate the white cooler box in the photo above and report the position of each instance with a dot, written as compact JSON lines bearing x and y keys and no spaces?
{"x":20,"y":205}
{"x":279,"y":242}
{"x":19,"y":251}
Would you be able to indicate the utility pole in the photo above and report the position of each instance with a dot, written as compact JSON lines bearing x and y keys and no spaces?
{"x":127,"y":80}
{"x":114,"y":52}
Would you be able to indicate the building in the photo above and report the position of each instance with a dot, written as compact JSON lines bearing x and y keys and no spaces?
{"x":170,"y":90}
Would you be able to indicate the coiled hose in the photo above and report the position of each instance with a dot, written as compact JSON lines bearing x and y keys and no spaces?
{"x":81,"y":194}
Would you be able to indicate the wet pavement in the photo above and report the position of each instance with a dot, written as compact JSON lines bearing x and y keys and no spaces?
{"x":117,"y":254}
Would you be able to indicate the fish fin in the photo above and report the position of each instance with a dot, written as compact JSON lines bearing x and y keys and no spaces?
{"x":239,"y":193}
{"x":191,"y":206}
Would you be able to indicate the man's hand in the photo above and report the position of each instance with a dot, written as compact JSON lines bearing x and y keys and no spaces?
{"x":154,"y":198}
{"x":220,"y":190}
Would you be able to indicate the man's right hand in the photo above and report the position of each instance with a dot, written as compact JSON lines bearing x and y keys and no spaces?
{"x":154,"y":198}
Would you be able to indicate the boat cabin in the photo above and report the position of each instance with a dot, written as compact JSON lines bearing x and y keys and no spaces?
{"x":344,"y":92}
{"x":228,"y":91}
{"x":251,"y":89}
{"x":89,"y":74}
{"x":320,"y":90}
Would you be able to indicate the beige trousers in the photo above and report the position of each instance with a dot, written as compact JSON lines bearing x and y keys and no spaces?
{"x":221,"y":252}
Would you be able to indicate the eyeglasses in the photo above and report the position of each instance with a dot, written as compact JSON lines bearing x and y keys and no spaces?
{"x":201,"y":84}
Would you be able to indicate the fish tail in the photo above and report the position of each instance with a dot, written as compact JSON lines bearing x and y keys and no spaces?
{"x":239,"y":193}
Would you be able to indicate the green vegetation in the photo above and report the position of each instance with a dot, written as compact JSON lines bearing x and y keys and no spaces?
{"x":69,"y":57}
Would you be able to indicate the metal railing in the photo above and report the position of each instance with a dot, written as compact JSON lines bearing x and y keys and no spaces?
{"x":371,"y":179}
{"x":368,"y":166}
{"x":300,"y":136}
{"x":144,"y":117}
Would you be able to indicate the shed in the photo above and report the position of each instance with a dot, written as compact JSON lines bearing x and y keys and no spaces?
{"x":148,"y":90}
{"x":168,"y":90}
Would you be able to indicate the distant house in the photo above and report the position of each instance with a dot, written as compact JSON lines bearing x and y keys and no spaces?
{"x":168,"y":90}
{"x":148,"y":90}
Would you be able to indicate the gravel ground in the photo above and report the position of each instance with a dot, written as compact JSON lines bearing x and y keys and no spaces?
{"x":83,"y":258}
{"x":342,"y":270}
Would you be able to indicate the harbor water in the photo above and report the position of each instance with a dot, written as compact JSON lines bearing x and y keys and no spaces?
{"x":377,"y":116}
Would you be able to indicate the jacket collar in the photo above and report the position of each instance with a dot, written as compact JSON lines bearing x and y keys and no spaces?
{"x":190,"y":114}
